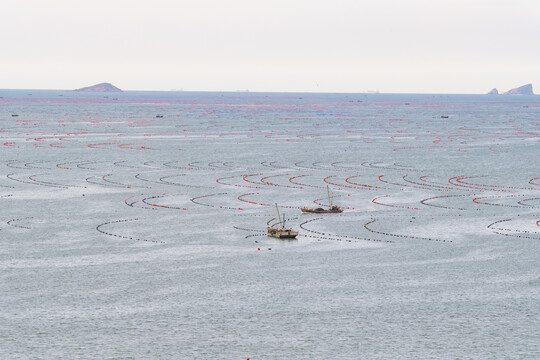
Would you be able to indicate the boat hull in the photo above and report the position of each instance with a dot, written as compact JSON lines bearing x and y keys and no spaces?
{"x":281,"y":233}
{"x":321,"y":211}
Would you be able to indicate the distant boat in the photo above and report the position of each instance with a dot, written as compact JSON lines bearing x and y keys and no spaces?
{"x":159,"y":116}
{"x":281,"y":232}
{"x":14,"y":115}
{"x":333,"y":208}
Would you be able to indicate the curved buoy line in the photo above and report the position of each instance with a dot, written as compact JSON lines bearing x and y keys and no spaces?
{"x":180,"y":184}
{"x":513,"y":232}
{"x":375,"y":201}
{"x":99,"y":228}
{"x":423,"y":185}
{"x":241,"y":198}
{"x":194,"y":200}
{"x":264,"y":181}
{"x":145,"y":200}
{"x":10,"y":223}
{"x":348,"y":180}
{"x":399,"y":235}
{"x":220,"y":181}
{"x":34,"y":182}
{"x":425,"y":202}
{"x":478,"y":200}
{"x":33,"y":178}
{"x":326,"y":236}
{"x":301,"y":184}
{"x":489,"y":187}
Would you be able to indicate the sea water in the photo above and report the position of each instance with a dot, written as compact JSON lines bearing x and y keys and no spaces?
{"x":132,"y":225}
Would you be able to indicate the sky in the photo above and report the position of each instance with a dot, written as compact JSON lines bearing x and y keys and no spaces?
{"x":393,"y":46}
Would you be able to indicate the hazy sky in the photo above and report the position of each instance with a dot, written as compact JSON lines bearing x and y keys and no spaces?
{"x":419,"y":46}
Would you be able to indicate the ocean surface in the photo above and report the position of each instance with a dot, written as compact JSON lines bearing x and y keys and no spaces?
{"x":132,"y":226}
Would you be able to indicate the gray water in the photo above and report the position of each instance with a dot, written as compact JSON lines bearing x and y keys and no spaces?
{"x":126,"y":235}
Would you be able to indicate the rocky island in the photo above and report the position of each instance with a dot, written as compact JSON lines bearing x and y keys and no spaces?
{"x":522,"y":90}
{"x":103,"y":87}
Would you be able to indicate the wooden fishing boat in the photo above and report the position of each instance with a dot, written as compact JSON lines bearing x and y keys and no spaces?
{"x":281,"y":232}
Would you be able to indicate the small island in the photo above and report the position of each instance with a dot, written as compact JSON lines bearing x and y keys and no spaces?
{"x":522,"y":90}
{"x":103,"y":87}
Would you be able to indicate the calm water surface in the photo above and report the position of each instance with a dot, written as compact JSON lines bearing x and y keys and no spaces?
{"x":126,"y":235}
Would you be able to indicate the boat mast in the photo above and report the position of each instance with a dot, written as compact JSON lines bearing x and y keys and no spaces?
{"x":329,"y":197}
{"x":279,"y":218}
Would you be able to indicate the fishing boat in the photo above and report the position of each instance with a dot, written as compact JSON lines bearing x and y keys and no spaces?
{"x":333,"y":208}
{"x":281,"y":232}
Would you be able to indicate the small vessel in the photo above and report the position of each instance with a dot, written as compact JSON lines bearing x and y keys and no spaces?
{"x":333,"y":208}
{"x":281,"y":232}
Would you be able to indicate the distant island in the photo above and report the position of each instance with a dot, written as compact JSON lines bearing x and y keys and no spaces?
{"x":522,"y":90}
{"x":103,"y":87}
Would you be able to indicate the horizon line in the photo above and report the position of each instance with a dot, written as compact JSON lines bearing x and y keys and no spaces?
{"x":247,"y":91}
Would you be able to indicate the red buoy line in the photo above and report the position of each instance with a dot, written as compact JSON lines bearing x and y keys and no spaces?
{"x":101,"y":145}
{"x":478,"y":200}
{"x":455,"y":181}
{"x":241,"y":198}
{"x":326,"y":180}
{"x":392,"y":183}
{"x":424,"y":202}
{"x":301,"y":184}
{"x":245,"y":177}
{"x":159,"y":205}
{"x":264,"y":181}
{"x":34,"y":182}
{"x":488,"y":187}
{"x":532,"y":182}
{"x":194,"y":200}
{"x":33,"y":178}
{"x":375,"y":201}
{"x":348,"y":180}
{"x":430,"y":186}
{"x":220,"y":181}
{"x":137,"y":201}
